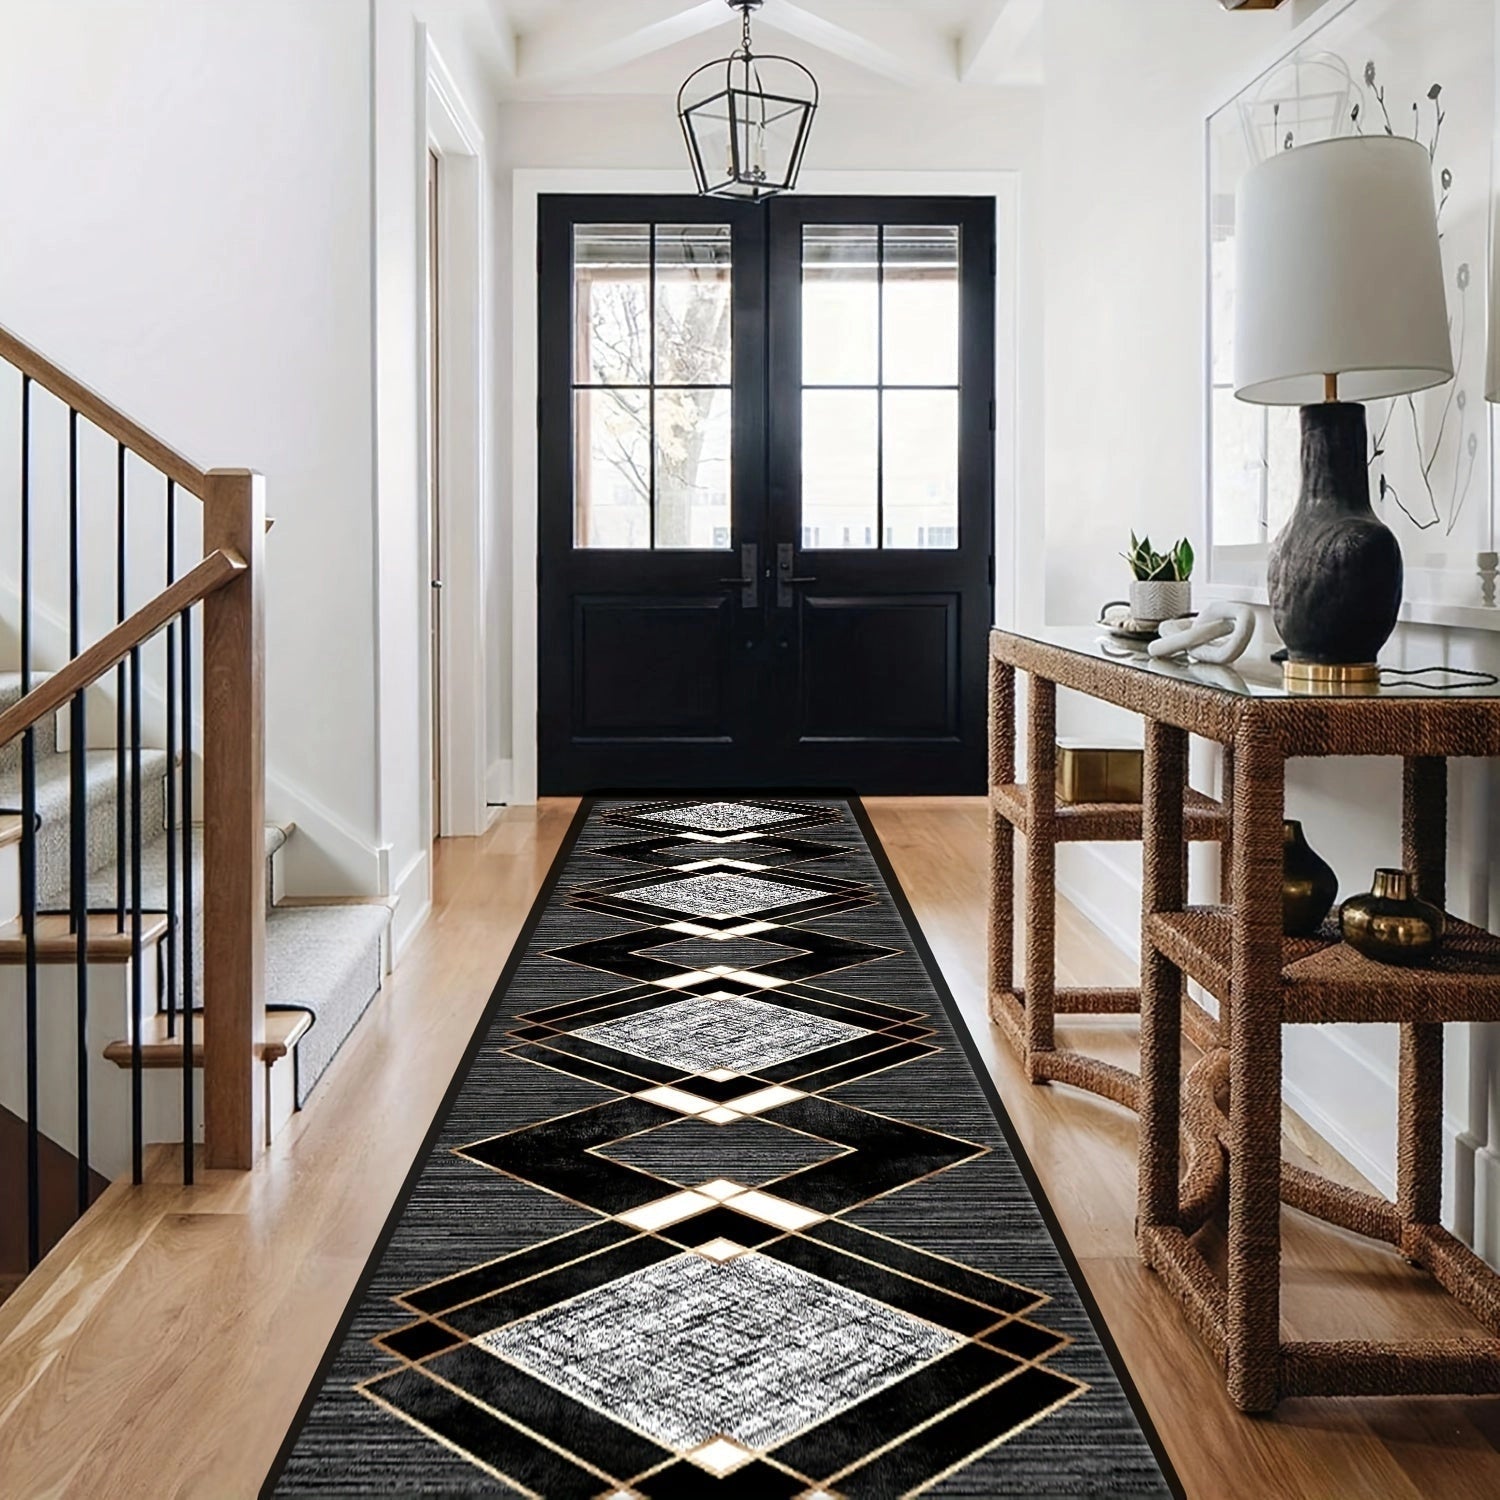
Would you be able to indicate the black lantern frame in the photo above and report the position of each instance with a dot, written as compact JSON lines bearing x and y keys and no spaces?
{"x":746,"y":111}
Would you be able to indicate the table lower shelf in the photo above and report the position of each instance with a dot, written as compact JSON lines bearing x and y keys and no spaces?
{"x":1324,"y":979}
{"x":1349,"y":1367}
{"x":1204,"y":820}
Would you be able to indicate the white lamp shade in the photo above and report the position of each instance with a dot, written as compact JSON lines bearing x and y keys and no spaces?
{"x":1339,"y":272}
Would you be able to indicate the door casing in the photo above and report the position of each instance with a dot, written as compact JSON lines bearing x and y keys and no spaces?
{"x":1018,"y":529}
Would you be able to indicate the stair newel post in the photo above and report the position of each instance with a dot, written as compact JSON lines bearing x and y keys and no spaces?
{"x":234,"y":917}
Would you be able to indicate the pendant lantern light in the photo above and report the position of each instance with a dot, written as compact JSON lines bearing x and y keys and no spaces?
{"x":746,"y":120}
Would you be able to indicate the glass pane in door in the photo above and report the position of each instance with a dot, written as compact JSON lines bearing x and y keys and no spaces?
{"x":612,"y":482}
{"x":920,"y":438}
{"x":612,"y":304}
{"x":694,"y":437}
{"x":920,"y":292}
{"x":840,"y":469}
{"x":840,"y":304}
{"x":694,"y":304}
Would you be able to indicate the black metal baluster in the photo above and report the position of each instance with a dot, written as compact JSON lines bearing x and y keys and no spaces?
{"x":120,"y":694}
{"x":171,"y":772}
{"x":28,"y":857}
{"x":78,"y":812}
{"x":187,"y":897}
{"x":136,"y":1082}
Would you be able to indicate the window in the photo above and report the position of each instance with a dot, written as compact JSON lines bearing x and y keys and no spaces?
{"x":880,"y":385}
{"x":652,"y":396}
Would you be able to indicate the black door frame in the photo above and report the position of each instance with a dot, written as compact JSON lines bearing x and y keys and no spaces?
{"x":766,"y":500}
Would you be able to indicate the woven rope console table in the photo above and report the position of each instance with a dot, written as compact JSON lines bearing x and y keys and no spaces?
{"x":1263,"y":981}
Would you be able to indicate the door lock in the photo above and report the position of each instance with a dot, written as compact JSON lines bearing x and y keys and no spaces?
{"x":748,"y":583}
{"x":786,"y":575}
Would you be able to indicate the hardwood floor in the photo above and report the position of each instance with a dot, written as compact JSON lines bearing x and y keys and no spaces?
{"x":165,"y":1346}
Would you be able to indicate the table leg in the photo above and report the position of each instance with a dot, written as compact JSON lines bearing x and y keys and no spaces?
{"x":1424,"y":852}
{"x":1164,"y":888}
{"x":1254,"y":1291}
{"x":1041,"y":868}
{"x":1226,"y":845}
{"x":1002,"y":928}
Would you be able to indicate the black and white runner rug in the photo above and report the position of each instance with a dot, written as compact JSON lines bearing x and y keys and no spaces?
{"x":721,"y":1206}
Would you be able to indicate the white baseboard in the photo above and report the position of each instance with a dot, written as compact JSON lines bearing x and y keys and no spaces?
{"x":499,"y":783}
{"x":1106,"y":887}
{"x":1487,"y":1203}
{"x":411,"y":893}
{"x":331,"y":858}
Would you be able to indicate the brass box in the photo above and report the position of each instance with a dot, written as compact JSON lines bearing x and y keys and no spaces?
{"x":1098,"y":773}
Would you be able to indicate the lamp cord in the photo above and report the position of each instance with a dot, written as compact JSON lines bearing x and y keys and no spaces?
{"x":1471,"y":679}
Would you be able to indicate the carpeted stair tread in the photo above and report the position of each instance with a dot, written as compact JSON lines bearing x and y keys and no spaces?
{"x":328,"y":960}
{"x":53,"y":799}
{"x":154,"y":870}
{"x":46,"y":730}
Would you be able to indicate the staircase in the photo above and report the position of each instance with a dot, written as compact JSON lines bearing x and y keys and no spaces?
{"x":154,"y":986}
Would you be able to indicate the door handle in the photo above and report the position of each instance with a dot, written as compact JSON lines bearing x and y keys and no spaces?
{"x":787,"y":575}
{"x":748,"y":583}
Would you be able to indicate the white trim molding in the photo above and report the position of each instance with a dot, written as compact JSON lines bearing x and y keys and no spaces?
{"x":1011,"y":517}
{"x":448,"y":128}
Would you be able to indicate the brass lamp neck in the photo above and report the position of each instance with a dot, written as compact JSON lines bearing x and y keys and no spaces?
{"x":1330,"y":388}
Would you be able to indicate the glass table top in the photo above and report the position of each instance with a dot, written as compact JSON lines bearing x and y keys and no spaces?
{"x":1254,"y":675}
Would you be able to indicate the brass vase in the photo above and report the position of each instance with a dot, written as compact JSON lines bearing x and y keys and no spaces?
{"x":1308,"y":884}
{"x":1391,"y":925}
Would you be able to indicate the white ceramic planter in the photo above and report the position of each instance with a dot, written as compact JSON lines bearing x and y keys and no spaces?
{"x":1151,"y":603}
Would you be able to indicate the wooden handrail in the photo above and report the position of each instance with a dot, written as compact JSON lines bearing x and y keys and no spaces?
{"x":210,"y":575}
{"x":107,"y":418}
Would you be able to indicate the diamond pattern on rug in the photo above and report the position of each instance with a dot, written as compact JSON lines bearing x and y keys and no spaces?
{"x":732,"y":953}
{"x":750,"y":1151}
{"x":689,"y":1350}
{"x":695,"y":1278}
{"x":715,"y":817}
{"x":720,"y":895}
{"x":705,"y":1032}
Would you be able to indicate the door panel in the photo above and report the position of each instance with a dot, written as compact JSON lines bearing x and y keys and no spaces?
{"x":679,"y":642}
{"x":766,"y":441}
{"x":879,"y":668}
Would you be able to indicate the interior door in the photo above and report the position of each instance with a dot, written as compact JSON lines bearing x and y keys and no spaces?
{"x":882,"y":359}
{"x":652,"y":469}
{"x":435,"y":490}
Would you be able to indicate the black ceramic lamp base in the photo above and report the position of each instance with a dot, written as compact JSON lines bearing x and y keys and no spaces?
{"x":1335,"y":571}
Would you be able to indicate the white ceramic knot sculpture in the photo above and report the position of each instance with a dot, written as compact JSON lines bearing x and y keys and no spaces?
{"x":1219,"y":634}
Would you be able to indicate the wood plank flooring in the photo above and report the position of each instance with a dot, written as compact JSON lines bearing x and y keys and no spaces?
{"x":166,"y":1345}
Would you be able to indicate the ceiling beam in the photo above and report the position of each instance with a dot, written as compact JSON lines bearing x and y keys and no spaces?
{"x":892,"y":44}
{"x":1000,"y":43}
{"x":566,"y":49}
{"x":505,"y":36}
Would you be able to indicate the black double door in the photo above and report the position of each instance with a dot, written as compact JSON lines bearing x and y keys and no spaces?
{"x":766,"y":493}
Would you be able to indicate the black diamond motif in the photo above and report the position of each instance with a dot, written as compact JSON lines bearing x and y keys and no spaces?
{"x":750,"y":1151}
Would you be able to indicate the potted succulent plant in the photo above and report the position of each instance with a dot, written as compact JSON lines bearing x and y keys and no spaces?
{"x":1160,"y":589}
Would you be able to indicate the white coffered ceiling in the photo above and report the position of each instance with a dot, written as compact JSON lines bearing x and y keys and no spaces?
{"x":649,"y":46}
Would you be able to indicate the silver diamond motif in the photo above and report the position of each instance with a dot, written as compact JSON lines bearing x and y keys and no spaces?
{"x":715,"y":817}
{"x":754,"y":1349}
{"x":722,"y":895}
{"x":701,"y":1033}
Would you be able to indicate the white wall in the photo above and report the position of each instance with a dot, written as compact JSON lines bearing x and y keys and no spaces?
{"x":215,"y":217}
{"x":187,"y":228}
{"x":1128,"y":89}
